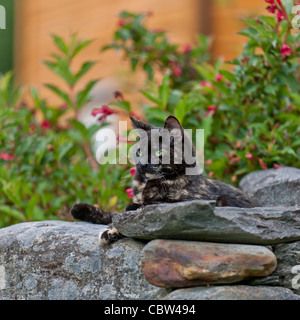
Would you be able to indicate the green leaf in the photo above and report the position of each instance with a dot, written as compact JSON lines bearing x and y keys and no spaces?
{"x":249,"y":32}
{"x":151,"y":96}
{"x":83,"y":96}
{"x":12,"y":212}
{"x":147,"y":67}
{"x":63,"y":150}
{"x":180,"y":109}
{"x":289,"y":150}
{"x":164,"y":90}
{"x":134,"y":63}
{"x":80,"y":46}
{"x":38,"y":214}
{"x":155,"y":113}
{"x":60,"y":44}
{"x":206,"y":124}
{"x":80,"y":127}
{"x":59,"y":92}
{"x":292,"y":82}
{"x":125,"y":105}
{"x":251,"y":87}
{"x":83,"y":70}
{"x":288,"y":6}
{"x":62,"y":68}
{"x":205,"y":71}
{"x":30,"y":205}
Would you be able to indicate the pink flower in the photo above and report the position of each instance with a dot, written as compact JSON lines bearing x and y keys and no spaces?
{"x":285,"y":50}
{"x":262,"y":164}
{"x":270,"y":1}
{"x":129,"y":192}
{"x":235,"y":159}
{"x":45,"y":125}
{"x":121,"y":23}
{"x":210,"y":111}
{"x":272,"y":8}
{"x":280,"y":15}
{"x":186,"y":48}
{"x":176,"y":70}
{"x":249,"y":156}
{"x":5,"y":156}
{"x":104,"y":110}
{"x":132,"y":171}
{"x":206,"y":84}
{"x":219,"y":77}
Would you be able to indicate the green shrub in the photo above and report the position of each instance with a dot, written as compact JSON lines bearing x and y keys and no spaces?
{"x":251,"y":114}
{"x":45,"y":168}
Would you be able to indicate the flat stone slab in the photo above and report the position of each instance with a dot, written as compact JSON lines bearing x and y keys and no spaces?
{"x":63,"y":260}
{"x":234,"y":292}
{"x":202,"y":221}
{"x":273,"y":187}
{"x":180,"y":264}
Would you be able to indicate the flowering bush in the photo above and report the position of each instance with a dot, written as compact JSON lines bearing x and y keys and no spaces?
{"x":250,"y":114}
{"x":152,"y":50}
{"x":46,"y":167}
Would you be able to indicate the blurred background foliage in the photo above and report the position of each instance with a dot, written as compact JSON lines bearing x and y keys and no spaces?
{"x":249,"y":108}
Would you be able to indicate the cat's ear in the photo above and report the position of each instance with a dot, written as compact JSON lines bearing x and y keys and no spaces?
{"x":137,"y":124}
{"x":172,"y":123}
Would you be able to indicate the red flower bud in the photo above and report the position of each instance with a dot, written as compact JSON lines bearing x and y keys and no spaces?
{"x":249,"y":156}
{"x":121,"y":23}
{"x":285,"y":50}
{"x":280,"y":16}
{"x":262,"y":164}
{"x":132,"y":171}
{"x":186,"y":48}
{"x":129,"y":192}
{"x":45,"y":125}
{"x":5,"y":156}
{"x":104,"y":110}
{"x":219,"y":77}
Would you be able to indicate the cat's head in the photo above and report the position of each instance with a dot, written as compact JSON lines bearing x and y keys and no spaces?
{"x":159,"y":153}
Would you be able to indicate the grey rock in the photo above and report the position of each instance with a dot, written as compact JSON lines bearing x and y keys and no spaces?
{"x":273,"y":187}
{"x":200,"y":220}
{"x":233,"y":292}
{"x":288,"y":268}
{"x":64,"y":260}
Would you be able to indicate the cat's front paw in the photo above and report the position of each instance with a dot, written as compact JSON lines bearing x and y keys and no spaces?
{"x":109,"y":235}
{"x":133,"y":206}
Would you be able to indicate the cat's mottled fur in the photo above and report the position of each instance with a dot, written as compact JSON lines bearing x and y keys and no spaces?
{"x":158,"y":183}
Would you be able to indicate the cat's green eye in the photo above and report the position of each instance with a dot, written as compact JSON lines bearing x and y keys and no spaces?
{"x":158,"y":153}
{"x":139,"y":153}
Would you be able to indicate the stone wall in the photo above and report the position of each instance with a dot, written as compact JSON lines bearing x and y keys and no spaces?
{"x":189,"y":250}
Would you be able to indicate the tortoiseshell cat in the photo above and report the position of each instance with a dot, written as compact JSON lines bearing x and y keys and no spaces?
{"x":158,"y":183}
